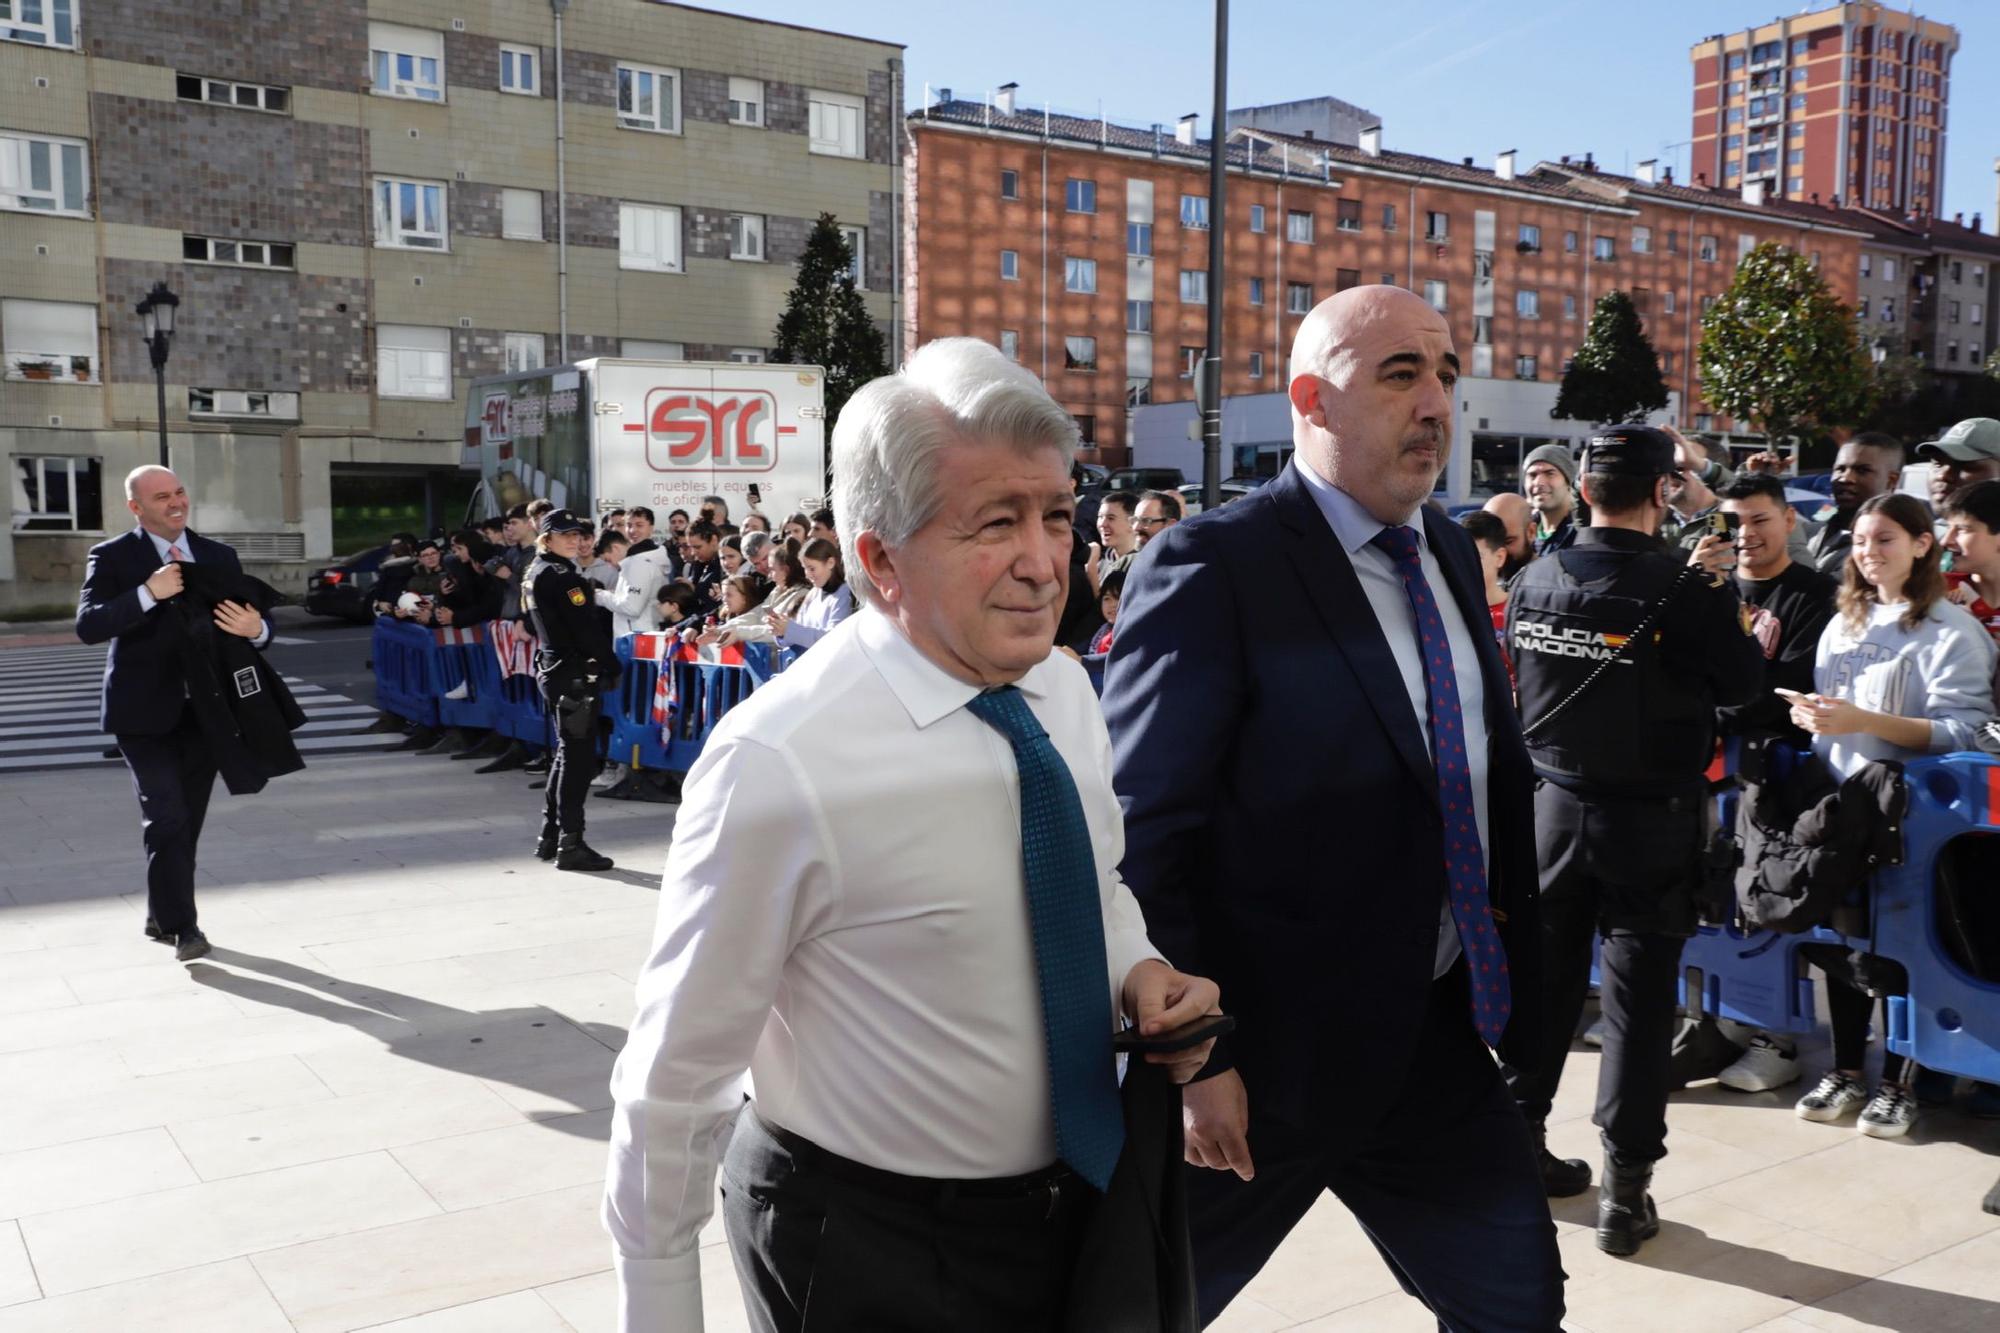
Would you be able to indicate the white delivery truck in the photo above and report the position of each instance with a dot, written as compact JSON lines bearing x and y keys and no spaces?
{"x":609,"y":434}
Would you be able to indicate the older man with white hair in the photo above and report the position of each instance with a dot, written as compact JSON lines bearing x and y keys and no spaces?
{"x":893,"y":896}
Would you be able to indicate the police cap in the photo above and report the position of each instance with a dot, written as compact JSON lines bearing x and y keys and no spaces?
{"x":1630,"y":451}
{"x":561,"y":520}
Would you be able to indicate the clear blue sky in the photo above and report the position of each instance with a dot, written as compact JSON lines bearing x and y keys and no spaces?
{"x":1452,"y":78}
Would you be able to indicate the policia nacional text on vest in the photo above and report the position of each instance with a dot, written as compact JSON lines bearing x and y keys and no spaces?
{"x":1622,"y":653}
{"x":573,"y":665}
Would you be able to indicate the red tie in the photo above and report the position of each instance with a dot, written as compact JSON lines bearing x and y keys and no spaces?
{"x":174,"y":554}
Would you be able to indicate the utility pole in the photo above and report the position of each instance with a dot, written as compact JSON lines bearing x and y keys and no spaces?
{"x":1208,"y":388}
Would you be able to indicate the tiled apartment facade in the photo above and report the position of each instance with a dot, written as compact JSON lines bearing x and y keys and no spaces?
{"x":358,"y":206}
{"x":1082,"y":248}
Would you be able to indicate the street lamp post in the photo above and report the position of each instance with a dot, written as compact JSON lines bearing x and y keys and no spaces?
{"x":157,"y":309}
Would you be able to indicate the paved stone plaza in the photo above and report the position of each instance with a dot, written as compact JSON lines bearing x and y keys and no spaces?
{"x":381,"y":1102}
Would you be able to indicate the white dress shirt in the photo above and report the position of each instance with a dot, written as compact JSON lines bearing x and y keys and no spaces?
{"x":186,"y":557}
{"x":1355,"y":528}
{"x":844,"y":912}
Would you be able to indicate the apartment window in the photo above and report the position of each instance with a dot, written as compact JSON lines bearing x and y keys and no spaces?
{"x":857,"y":254}
{"x":1138,"y":391}
{"x":1256,"y":291}
{"x":834,"y":124}
{"x":1976,"y":313}
{"x":1194,"y":210}
{"x":1524,"y":367}
{"x":38,"y":22}
{"x":1867,"y":264}
{"x":1482,"y":336}
{"x":1951,"y":350}
{"x":1191,"y":358}
{"x":1603,"y":247}
{"x":1080,"y":275}
{"x":404,"y":62}
{"x":649,"y":98}
{"x":1799,"y":102}
{"x":1952,"y":312}
{"x":1642,"y":240}
{"x":1888,"y":269}
{"x":1388,"y":217}
{"x":1437,"y":226}
{"x":521,"y":215}
{"x":1298,"y":298}
{"x":1010,"y":265}
{"x":1667,"y":302}
{"x":409,"y":215}
{"x":1138,"y":317}
{"x":1957,"y":271}
{"x":61,"y":494}
{"x":747,"y":356}
{"x":1707,"y":304}
{"x":1799,"y":45}
{"x":1086,"y":430}
{"x":1861,"y":309}
{"x":525,"y":351}
{"x":1194,"y":285}
{"x":1569,"y":307}
{"x":746,"y":101}
{"x":1795,"y":131}
{"x":242,"y":254}
{"x":520,"y":70}
{"x":1080,"y":196}
{"x":746,"y":236}
{"x":1735,"y":116}
{"x":1347,"y":215}
{"x":1704,"y":421}
{"x":1530,"y":241}
{"x":1528,"y":304}
{"x":1256,"y":365}
{"x":1010,"y":185}
{"x":1257,"y":217}
{"x":226,"y":92}
{"x":1569,"y":242}
{"x":1434,"y":294}
{"x":641,"y":349}
{"x":1299,"y":226}
{"x":1735,"y":61}
{"x":1079,"y":353}
{"x":1888,"y":310}
{"x":1705,"y":248}
{"x":412,"y":361}
{"x":1010,"y":344}
{"x":1972,"y":353}
{"x":1344,"y":278}
{"x":649,"y":238}
{"x":50,"y":340}
{"x":243,"y":403}
{"x":43,"y":175}
{"x":1139,"y":239}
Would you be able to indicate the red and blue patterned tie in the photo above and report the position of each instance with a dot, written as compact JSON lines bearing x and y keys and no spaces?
{"x":1465,"y":859}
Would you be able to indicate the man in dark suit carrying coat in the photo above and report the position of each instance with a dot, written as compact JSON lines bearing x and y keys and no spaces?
{"x":130,"y":592}
{"x":1328,"y":810}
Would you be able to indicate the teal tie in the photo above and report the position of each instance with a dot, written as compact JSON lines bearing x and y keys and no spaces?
{"x":1067,"y":922}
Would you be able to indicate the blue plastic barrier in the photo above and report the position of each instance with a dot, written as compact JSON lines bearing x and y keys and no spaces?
{"x":471,"y":670}
{"x":405,"y":680}
{"x":703,"y":693}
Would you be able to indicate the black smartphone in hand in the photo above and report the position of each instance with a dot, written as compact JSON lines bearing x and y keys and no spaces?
{"x":1205,"y":1028}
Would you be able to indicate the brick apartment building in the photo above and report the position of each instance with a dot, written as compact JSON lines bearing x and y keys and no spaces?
{"x":1081,"y":248}
{"x":1847,"y":103}
{"x":361,"y":207}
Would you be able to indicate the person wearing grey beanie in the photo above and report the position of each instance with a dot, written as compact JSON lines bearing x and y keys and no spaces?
{"x":1548,"y":479}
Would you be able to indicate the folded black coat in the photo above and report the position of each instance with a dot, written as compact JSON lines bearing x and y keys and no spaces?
{"x":1808,"y":844}
{"x":1135,"y":1270}
{"x":247,"y":715}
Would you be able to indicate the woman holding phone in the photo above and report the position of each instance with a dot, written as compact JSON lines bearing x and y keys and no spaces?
{"x":1901,"y":673}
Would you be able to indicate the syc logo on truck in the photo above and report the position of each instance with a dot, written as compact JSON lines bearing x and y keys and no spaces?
{"x":732,"y":431}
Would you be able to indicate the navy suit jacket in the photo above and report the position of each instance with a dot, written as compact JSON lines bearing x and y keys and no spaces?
{"x":143,"y":686}
{"x":1282,"y":823}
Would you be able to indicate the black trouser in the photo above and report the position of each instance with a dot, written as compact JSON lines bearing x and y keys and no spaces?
{"x":1848,"y":1010}
{"x":572,"y":766}
{"x":826,"y":1245}
{"x":173,"y":775}
{"x":1444,"y":1183}
{"x":1611,"y":868}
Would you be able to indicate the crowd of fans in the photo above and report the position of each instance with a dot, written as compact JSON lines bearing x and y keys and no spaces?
{"x":1877,"y":620}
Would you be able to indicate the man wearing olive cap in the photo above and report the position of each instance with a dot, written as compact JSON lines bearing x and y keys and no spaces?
{"x":1968,"y":452}
{"x":574,"y":664}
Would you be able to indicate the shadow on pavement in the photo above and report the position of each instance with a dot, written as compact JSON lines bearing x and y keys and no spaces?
{"x":527,"y":1047}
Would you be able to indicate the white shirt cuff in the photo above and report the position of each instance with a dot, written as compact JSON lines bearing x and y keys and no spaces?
{"x":659,"y":1295}
{"x":146,"y":600}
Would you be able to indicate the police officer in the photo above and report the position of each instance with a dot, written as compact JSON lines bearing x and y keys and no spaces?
{"x":1623,"y":653}
{"x":574,"y":664}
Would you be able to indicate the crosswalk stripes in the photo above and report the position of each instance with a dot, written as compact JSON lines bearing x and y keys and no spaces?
{"x":49,"y":711}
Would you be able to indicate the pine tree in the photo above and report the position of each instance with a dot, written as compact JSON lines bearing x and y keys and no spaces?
{"x":825,"y":322}
{"x":1615,"y":375}
{"x":1781,"y":351}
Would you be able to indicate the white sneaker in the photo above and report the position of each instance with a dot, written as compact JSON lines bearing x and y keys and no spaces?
{"x":1836,"y":1095}
{"x":462,"y":690}
{"x":1889,"y":1114}
{"x":1594,"y":1034}
{"x":610,"y":777}
{"x":1762,"y":1067}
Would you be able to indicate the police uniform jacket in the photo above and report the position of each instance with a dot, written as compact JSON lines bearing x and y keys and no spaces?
{"x":1647,"y":726}
{"x":575,"y":643}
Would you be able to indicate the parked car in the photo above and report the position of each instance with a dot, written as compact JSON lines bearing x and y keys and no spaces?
{"x":341,"y":588}
{"x":1233,"y":489}
{"x":1145,"y":479}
